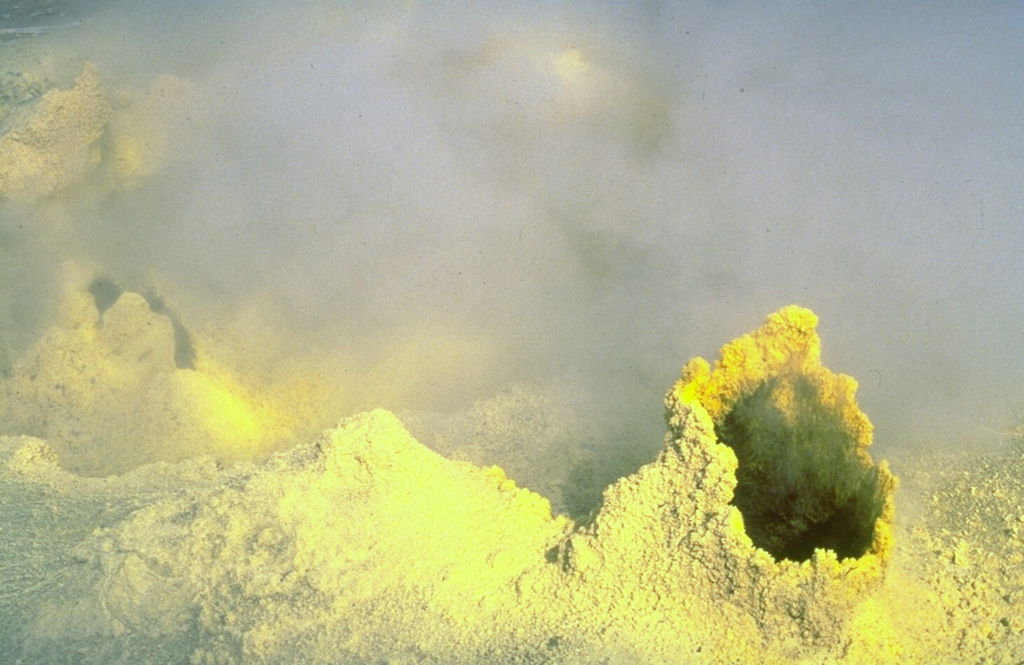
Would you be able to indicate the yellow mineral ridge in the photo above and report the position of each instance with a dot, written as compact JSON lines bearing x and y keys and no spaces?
{"x":364,"y":545}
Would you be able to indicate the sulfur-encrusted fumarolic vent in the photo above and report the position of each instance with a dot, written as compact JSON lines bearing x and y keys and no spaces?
{"x":764,"y":511}
{"x":805,"y":480}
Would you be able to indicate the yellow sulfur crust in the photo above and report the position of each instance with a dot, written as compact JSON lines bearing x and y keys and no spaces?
{"x":367,"y":546}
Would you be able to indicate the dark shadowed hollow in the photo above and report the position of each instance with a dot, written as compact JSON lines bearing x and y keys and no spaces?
{"x":801,"y":484}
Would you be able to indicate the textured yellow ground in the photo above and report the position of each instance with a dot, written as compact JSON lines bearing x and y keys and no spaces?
{"x":365,"y":546}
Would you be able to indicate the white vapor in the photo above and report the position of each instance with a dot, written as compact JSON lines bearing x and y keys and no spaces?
{"x":430,"y":203}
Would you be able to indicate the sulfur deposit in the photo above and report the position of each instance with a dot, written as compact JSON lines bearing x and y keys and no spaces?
{"x":216,"y":240}
{"x":365,"y":545}
{"x":52,"y":142}
{"x":117,"y":383}
{"x":755,"y":515}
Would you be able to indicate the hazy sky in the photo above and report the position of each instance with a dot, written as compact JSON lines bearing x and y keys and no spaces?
{"x":464,"y":195}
